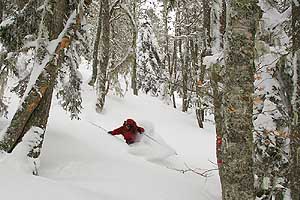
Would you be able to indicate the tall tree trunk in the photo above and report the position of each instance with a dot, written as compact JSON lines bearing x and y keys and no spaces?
{"x":134,"y":66}
{"x":218,"y":20}
{"x":223,"y":22}
{"x":96,"y":48}
{"x":237,"y":168}
{"x":205,"y":52}
{"x":217,"y":101}
{"x":185,"y":73}
{"x":104,"y":59}
{"x":166,"y":59}
{"x":295,"y":129}
{"x":1,"y":10}
{"x":134,"y":45}
{"x":173,"y":66}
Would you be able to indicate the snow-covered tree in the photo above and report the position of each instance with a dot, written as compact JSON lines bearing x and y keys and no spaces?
{"x":150,"y":71}
{"x":49,"y":37}
{"x":272,"y":103}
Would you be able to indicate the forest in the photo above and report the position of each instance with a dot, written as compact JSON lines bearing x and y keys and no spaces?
{"x":238,"y":60}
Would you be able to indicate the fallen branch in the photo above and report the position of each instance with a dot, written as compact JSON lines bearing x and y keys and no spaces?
{"x":205,"y":173}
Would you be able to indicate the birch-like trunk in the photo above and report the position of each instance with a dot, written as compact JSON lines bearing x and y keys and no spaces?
{"x":237,"y":142}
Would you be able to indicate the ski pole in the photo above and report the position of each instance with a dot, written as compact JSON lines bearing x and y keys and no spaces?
{"x":98,"y":126}
{"x":104,"y":130}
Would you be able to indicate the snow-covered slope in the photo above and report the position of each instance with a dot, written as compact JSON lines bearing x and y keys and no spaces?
{"x":80,"y":161}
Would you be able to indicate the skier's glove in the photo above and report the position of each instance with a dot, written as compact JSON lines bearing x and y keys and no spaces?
{"x":110,"y":132}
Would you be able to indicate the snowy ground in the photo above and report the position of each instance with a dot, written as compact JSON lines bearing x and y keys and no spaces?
{"x":81,"y":162}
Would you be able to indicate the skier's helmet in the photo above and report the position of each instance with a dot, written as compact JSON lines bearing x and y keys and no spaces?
{"x":130,"y":123}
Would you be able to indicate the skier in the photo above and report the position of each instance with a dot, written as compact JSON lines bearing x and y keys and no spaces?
{"x":129,"y":130}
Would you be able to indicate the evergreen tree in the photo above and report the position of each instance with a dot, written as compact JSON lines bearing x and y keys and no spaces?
{"x":150,"y":72}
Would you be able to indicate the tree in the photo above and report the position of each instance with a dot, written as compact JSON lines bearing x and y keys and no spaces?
{"x":134,"y":78}
{"x":295,"y":128}
{"x":52,"y":39}
{"x":96,"y":47}
{"x":271,"y":105}
{"x":206,"y":51}
{"x":150,"y":69}
{"x":237,"y":166}
{"x":104,"y":56}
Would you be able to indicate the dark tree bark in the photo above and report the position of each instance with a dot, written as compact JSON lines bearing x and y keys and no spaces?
{"x":295,"y":129}
{"x":237,"y":142}
{"x":1,"y":10}
{"x":223,"y":22}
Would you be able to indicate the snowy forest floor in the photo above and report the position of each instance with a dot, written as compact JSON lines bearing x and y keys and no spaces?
{"x":80,"y":161}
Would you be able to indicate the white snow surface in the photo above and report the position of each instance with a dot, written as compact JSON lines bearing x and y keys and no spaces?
{"x":80,"y":161}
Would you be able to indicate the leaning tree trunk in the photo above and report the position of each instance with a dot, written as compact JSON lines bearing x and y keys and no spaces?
{"x":28,"y":114}
{"x":237,"y":167}
{"x":295,"y":129}
{"x":102,"y":74}
{"x":34,"y":110}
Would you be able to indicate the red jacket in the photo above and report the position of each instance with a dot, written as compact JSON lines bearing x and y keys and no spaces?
{"x":129,"y":130}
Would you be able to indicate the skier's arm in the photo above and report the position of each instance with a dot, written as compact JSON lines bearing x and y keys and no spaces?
{"x":117,"y":131}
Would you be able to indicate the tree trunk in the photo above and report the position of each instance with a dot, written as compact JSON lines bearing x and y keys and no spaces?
{"x":104,"y":59}
{"x":185,"y":67}
{"x":217,"y":101}
{"x":223,"y":22}
{"x":134,"y":85}
{"x":3,"y":83}
{"x":237,"y":143}
{"x":1,"y":10}
{"x":96,"y":48}
{"x":134,"y":67}
{"x":295,"y":129}
{"x":205,"y":52}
